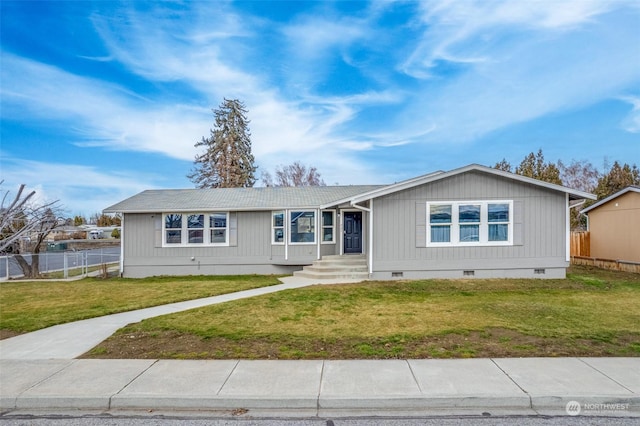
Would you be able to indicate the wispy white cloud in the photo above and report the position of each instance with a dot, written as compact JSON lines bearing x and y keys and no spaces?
{"x":220,"y":64}
{"x":574,"y":54}
{"x":631,"y":122}
{"x":467,"y":32}
{"x":88,"y":190}
{"x":96,"y":112}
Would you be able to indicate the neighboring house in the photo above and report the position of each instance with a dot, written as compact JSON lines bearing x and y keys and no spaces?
{"x":614,"y":226}
{"x":472,"y":221}
{"x":67,"y":232}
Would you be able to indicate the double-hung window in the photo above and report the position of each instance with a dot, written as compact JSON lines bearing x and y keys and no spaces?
{"x":173,"y":229}
{"x":468,"y":223}
{"x":440,"y":223}
{"x":195,"y":223}
{"x":498,"y":218}
{"x":328,"y":220}
{"x":196,"y":229}
{"x":218,"y":228}
{"x":277,"y":227}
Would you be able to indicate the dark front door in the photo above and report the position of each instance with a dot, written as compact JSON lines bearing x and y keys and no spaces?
{"x":352,"y":232}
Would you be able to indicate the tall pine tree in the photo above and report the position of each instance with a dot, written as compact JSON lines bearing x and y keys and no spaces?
{"x":533,"y":166}
{"x":227,"y":161}
{"x":616,"y":179}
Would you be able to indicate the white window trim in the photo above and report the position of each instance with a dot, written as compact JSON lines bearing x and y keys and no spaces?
{"x":315,"y":229}
{"x":484,"y":224}
{"x":333,"y":235}
{"x":284,"y":228}
{"x":185,"y":230}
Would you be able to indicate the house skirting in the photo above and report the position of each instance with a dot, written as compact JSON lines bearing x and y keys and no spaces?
{"x":541,"y":273}
{"x":143,"y":271}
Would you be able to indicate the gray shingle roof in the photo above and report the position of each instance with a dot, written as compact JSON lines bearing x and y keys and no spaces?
{"x":176,"y":200}
{"x":189,"y":200}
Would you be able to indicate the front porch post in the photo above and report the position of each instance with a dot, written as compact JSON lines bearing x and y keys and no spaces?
{"x":370,"y":254}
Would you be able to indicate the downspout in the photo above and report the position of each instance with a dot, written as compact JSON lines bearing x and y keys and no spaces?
{"x":569,"y":224}
{"x":287,"y":230}
{"x":568,"y":229}
{"x":370,"y":211}
{"x":122,"y":245}
{"x":318,"y":230}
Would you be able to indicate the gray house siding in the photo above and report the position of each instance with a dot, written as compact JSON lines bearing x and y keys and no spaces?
{"x":250,"y":251}
{"x":539,"y":240}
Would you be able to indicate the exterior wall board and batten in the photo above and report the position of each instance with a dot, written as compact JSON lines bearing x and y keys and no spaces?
{"x":534,"y":209}
{"x":251,"y":252}
{"x":394,"y":241}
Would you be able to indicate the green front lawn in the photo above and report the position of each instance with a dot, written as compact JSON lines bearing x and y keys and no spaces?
{"x":592,"y":312}
{"x":29,"y":306}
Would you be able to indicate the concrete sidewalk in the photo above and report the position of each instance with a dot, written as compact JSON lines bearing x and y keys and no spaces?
{"x":527,"y":386}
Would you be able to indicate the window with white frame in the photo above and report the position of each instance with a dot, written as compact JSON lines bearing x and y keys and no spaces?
{"x":277,"y":227}
{"x":218,"y":228}
{"x":464,"y":223}
{"x":328,"y":221}
{"x":195,"y":225}
{"x":193,"y":229}
{"x":173,"y":229}
{"x":302,"y":225}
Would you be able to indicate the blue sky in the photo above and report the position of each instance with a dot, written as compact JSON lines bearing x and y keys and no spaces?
{"x":101,"y":100}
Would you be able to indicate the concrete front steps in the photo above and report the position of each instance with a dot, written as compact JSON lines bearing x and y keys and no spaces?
{"x":352,"y":267}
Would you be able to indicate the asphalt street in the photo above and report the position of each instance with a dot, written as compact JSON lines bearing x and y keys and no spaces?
{"x":151,"y":420}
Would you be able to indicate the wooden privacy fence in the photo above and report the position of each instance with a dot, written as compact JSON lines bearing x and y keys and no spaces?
{"x":580,"y":244}
{"x":617,"y":265}
{"x":581,"y":255}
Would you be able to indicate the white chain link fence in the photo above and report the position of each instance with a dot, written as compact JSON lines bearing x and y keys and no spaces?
{"x":63,"y":264}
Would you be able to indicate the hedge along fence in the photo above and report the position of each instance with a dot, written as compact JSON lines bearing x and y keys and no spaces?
{"x":618,"y":265}
{"x":580,"y":243}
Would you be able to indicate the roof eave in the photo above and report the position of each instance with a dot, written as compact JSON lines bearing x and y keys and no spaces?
{"x":611,"y":197}
{"x":230,"y":209}
{"x":573,"y":193}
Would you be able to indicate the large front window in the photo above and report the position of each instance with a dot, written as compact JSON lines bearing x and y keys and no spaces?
{"x":470,"y":223}
{"x":194,"y":229}
{"x":303,"y":226}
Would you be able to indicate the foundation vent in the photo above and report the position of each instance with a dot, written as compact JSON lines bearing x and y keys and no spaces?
{"x":468,"y":273}
{"x":396,"y":274}
{"x":539,"y":271}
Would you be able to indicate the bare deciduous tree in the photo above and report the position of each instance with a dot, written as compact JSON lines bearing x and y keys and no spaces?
{"x":22,"y":218}
{"x":295,"y":174}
